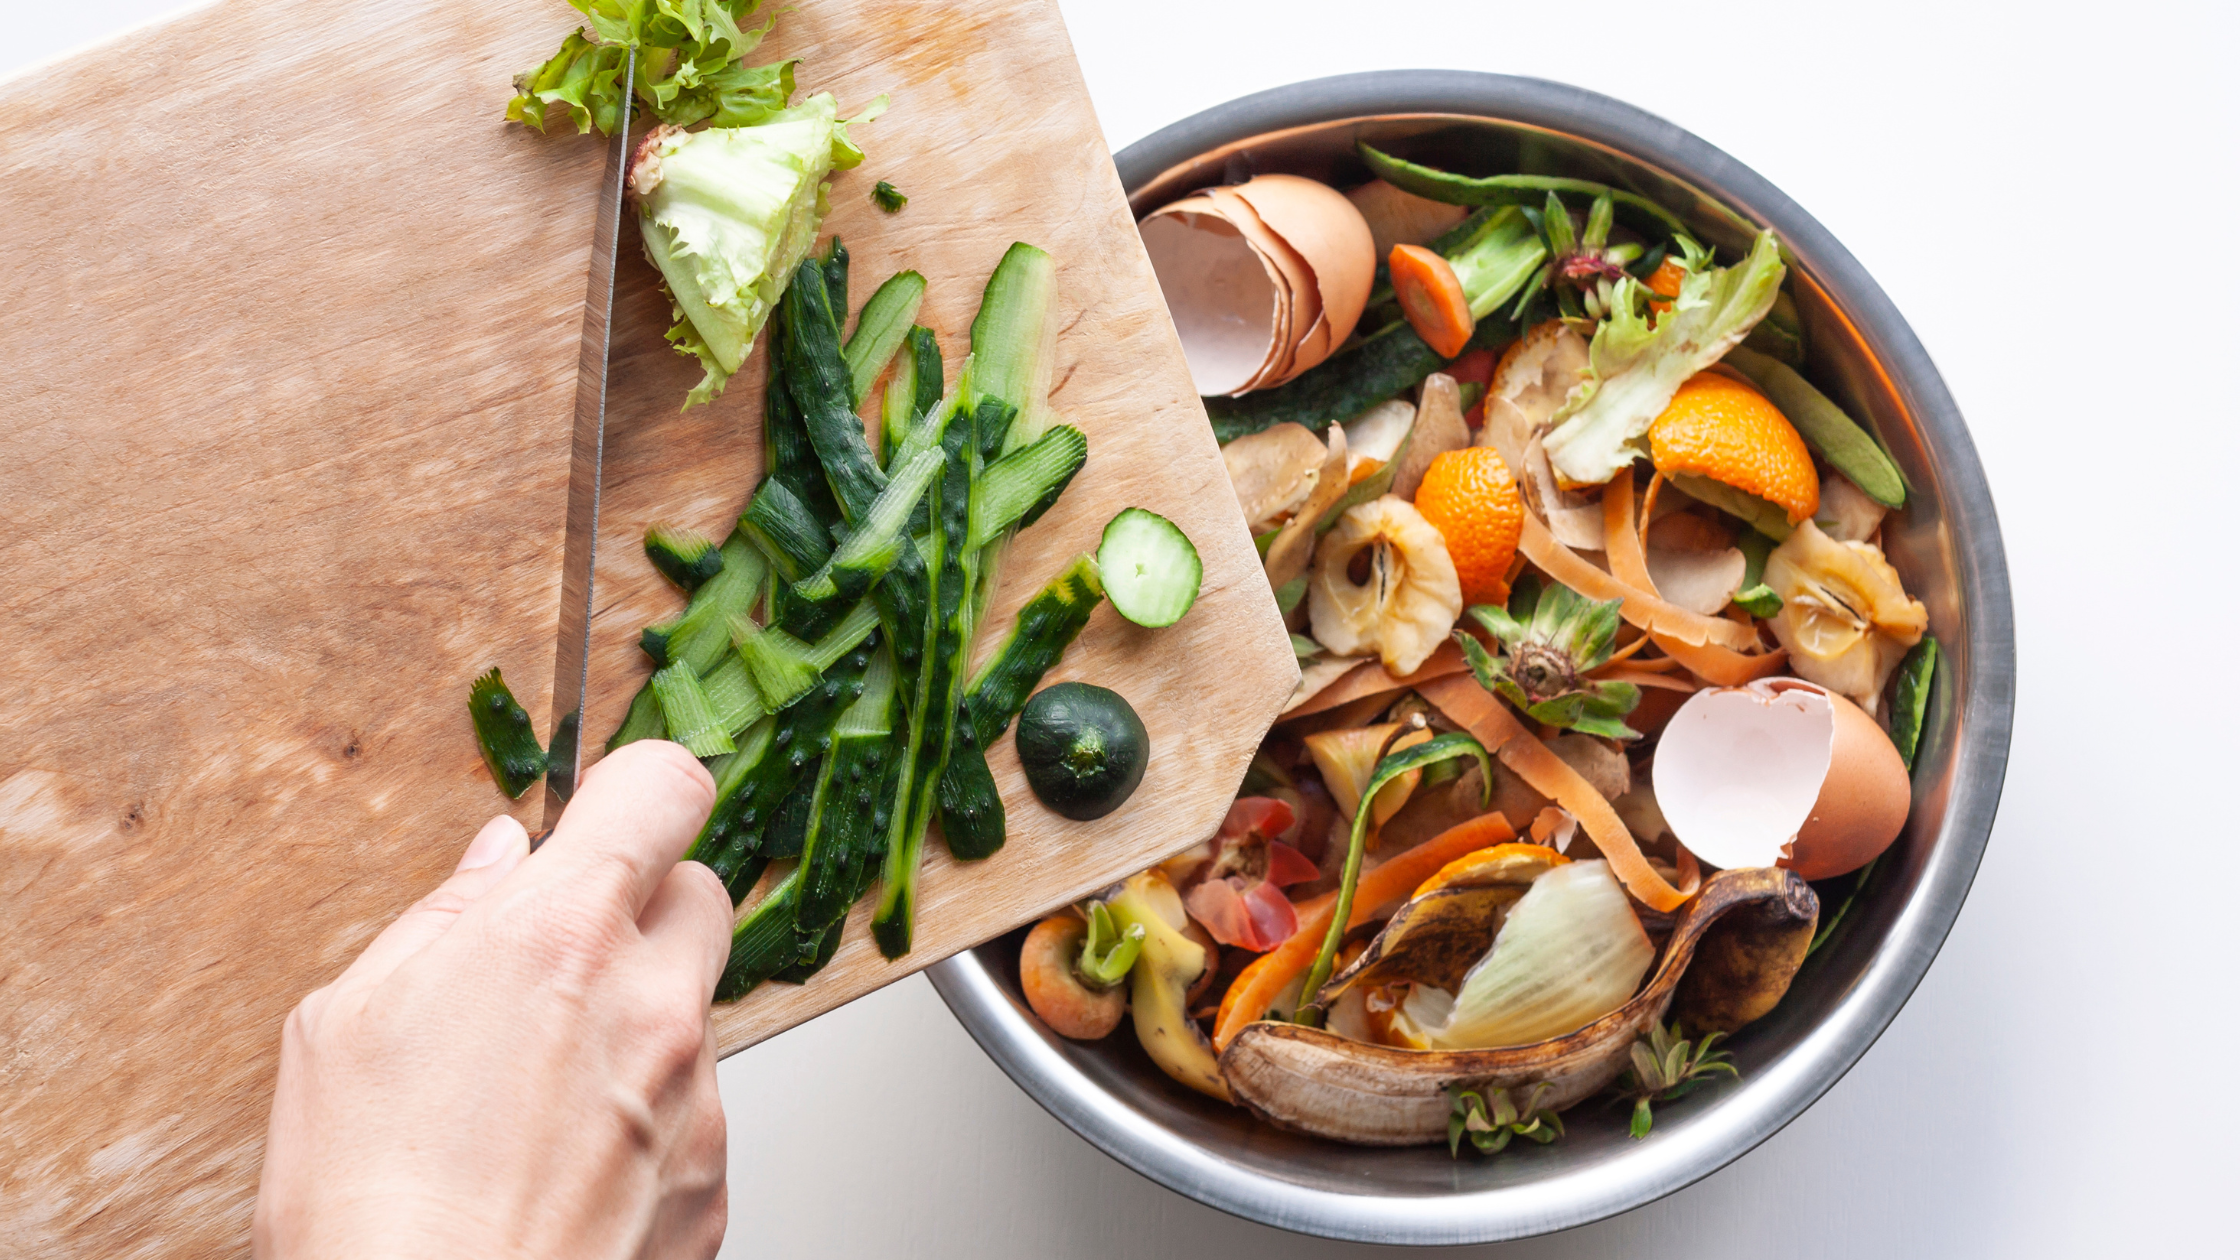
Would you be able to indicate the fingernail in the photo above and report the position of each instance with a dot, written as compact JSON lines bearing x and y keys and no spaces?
{"x":496,"y":839}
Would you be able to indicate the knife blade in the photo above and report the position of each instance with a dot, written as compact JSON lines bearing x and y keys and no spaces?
{"x":571,"y":669}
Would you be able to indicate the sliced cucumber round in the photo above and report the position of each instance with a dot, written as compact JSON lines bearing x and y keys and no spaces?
{"x":1151,"y":571}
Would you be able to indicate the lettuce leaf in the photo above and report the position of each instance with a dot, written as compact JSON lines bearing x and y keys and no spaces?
{"x":688,"y":66}
{"x":1634,"y":368}
{"x":726,"y":215}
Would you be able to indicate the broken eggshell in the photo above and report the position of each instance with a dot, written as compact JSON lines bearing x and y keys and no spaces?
{"x":1314,"y":1081}
{"x":1224,"y":297}
{"x":1780,"y":771}
{"x":1264,"y":279}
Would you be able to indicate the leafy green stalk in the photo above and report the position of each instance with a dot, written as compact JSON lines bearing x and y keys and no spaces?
{"x":888,"y":197}
{"x":1436,"y":749}
{"x":502,"y":731}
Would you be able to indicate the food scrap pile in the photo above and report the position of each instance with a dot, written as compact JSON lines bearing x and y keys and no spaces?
{"x":823,"y":665}
{"x":1599,"y":647}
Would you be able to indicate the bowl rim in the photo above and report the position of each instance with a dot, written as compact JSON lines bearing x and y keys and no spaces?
{"x":1983,"y":720}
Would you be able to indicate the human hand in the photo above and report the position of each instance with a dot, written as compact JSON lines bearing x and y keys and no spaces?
{"x":521,"y":1064}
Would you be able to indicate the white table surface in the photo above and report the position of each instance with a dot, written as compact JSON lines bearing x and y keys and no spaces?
{"x":2048,"y":193}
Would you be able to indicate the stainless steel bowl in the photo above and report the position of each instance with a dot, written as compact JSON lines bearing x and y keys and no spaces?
{"x":1946,"y":544}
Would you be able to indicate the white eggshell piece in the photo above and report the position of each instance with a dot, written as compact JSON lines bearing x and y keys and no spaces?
{"x":1221,"y":293}
{"x":1738,"y":769}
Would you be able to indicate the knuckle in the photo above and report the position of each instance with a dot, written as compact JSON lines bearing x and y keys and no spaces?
{"x":672,"y":768}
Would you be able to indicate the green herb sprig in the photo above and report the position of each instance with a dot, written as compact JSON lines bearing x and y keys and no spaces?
{"x":1489,"y":1119}
{"x":1667,"y":1066}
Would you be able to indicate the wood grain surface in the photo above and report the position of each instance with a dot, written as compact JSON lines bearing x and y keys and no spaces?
{"x":289,"y":365}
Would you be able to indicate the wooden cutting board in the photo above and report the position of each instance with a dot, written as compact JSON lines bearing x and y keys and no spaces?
{"x":288,"y":369}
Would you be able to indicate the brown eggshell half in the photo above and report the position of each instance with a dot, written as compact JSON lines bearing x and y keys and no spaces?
{"x":1302,"y":319}
{"x":1329,"y":232}
{"x":1226,"y":299}
{"x":1862,"y":804}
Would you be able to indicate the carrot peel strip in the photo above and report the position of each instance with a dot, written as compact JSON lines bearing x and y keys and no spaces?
{"x":1485,"y":716}
{"x":1662,"y":620}
{"x":1257,"y":986}
{"x":1709,"y":660}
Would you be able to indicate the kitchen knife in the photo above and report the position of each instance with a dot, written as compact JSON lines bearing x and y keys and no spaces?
{"x":571,"y":668}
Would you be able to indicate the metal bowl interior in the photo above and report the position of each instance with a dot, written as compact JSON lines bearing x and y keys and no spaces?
{"x":1946,"y":544}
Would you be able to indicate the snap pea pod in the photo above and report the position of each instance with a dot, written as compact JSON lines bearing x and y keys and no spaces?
{"x":1824,"y":426}
{"x":1514,"y":190}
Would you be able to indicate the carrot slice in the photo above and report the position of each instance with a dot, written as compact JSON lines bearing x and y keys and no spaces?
{"x":1484,"y":715}
{"x":1641,"y":608}
{"x":1431,"y":297}
{"x":1712,"y":662}
{"x":1257,"y":986}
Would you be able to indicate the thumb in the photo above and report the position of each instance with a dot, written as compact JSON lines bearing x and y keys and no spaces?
{"x":497,"y":849}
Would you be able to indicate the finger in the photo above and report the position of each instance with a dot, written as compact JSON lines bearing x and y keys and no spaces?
{"x":497,"y":849}
{"x":687,"y":924}
{"x":635,"y":814}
